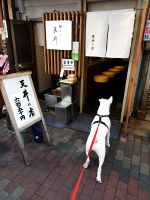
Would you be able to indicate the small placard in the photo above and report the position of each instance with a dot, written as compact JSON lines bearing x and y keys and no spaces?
{"x":68,"y":64}
{"x":75,"y":51}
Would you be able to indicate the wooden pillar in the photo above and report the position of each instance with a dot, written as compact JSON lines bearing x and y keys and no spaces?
{"x":135,"y":36}
{"x":134,"y":66}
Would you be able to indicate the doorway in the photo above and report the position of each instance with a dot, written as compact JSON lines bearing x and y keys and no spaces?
{"x":113,"y":86}
{"x":23,"y":47}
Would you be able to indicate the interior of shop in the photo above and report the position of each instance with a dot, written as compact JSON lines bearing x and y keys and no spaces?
{"x":104,"y":79}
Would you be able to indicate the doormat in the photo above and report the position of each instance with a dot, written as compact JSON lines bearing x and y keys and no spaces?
{"x":83,"y":123}
{"x":51,"y":121}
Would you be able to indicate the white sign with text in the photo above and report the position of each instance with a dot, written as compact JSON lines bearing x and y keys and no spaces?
{"x":22,"y":100}
{"x":59,"y":34}
{"x":68,"y":64}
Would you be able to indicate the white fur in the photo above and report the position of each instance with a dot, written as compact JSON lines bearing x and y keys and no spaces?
{"x":103,"y":135}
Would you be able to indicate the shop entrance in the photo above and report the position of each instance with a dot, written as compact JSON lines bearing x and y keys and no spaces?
{"x":104,"y":79}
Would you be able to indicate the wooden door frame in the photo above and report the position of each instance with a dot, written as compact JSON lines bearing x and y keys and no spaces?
{"x":134,"y":40}
{"x":13,"y":22}
{"x":25,"y":66}
{"x":130,"y":88}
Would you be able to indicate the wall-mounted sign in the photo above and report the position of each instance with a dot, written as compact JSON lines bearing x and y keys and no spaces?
{"x":59,"y":34}
{"x":68,"y":64}
{"x":147,"y":31}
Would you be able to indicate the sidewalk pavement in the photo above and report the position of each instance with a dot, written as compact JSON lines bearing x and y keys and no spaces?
{"x":54,"y":169}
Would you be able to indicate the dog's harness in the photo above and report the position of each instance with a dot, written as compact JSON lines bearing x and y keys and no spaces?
{"x":100,"y":121}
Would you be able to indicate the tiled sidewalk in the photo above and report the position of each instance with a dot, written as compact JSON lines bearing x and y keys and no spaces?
{"x":54,"y":169}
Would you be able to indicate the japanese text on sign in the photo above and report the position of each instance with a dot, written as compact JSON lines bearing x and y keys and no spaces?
{"x":68,"y":64}
{"x":92,"y":42}
{"x":22,"y":100}
{"x":59,"y":34}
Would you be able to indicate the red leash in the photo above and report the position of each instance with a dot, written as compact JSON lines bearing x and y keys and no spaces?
{"x":74,"y":193}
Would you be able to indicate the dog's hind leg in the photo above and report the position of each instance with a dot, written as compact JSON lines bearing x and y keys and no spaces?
{"x":107,"y":139}
{"x":101,"y":161}
{"x":86,"y":164}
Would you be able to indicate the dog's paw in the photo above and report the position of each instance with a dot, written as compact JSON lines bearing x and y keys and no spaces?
{"x":98,"y":179}
{"x":107,"y":145}
{"x":85,"y":165}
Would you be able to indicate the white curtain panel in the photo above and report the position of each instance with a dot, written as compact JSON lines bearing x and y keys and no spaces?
{"x":120,"y":33}
{"x":96,"y":33}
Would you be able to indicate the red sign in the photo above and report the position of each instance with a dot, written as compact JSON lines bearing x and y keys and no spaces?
{"x":147,"y":31}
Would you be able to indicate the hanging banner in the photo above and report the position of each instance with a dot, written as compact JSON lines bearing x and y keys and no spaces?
{"x":120,"y":33}
{"x":109,"y":33}
{"x":59,"y":34}
{"x":96,"y":33}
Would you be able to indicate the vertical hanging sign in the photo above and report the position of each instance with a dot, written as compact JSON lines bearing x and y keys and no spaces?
{"x":96,"y":33}
{"x":59,"y":34}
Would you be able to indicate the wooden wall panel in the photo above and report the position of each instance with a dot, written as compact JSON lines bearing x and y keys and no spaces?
{"x":53,"y":58}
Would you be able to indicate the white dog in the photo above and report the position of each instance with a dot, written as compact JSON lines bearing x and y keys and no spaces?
{"x":103,"y":134}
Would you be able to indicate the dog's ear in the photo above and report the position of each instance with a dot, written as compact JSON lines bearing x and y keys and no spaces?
{"x":111,"y":99}
{"x":100,"y":99}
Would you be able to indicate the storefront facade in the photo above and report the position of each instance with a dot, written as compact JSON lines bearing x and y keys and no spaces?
{"x":31,"y":10}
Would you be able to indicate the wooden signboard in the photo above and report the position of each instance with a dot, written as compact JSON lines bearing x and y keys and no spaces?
{"x":22,"y":104}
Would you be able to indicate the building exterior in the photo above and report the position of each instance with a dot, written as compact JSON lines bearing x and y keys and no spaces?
{"x":22,"y":12}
